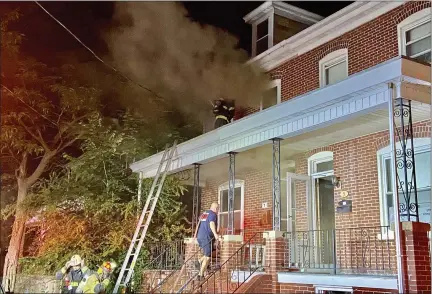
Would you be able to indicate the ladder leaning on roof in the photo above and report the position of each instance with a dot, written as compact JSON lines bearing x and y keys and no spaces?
{"x":144,"y":220}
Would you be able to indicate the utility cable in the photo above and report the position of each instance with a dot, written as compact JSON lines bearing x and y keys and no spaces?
{"x":97,"y":57}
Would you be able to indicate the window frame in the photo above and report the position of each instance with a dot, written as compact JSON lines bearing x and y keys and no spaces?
{"x":322,"y":289}
{"x":270,"y":17}
{"x":332,"y":59}
{"x":274,"y":84}
{"x":415,"y":20}
{"x":421,"y":145}
{"x":225,"y":186}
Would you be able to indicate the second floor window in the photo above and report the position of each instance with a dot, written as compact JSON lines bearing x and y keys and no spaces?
{"x":333,"y":67}
{"x":415,"y":36}
{"x":272,"y":95}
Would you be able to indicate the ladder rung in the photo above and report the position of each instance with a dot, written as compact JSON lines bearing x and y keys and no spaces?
{"x":158,"y":183}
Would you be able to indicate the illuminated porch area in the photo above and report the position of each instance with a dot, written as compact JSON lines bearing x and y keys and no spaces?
{"x":316,"y":174}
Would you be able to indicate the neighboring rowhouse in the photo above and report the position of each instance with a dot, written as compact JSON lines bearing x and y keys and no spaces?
{"x":321,"y":134}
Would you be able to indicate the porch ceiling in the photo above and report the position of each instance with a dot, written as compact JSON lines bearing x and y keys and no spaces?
{"x":260,"y":158}
{"x":353,"y":107}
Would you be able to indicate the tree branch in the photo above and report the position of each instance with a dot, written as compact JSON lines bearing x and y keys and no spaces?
{"x":26,"y":104}
{"x":40,"y":168}
{"x":67,"y":144}
{"x":63,"y":130}
{"x":37,"y":138}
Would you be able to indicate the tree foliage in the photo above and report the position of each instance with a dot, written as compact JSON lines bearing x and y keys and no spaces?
{"x":69,"y":164}
{"x":90,"y":207}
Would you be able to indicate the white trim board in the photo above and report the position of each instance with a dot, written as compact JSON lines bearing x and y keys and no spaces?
{"x":335,"y":25}
{"x":358,"y":94}
{"x":376,"y":282}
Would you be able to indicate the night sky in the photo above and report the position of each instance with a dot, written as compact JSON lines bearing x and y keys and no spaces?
{"x":46,"y":40}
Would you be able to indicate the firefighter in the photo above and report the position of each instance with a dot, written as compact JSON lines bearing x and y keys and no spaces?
{"x":221,"y":113}
{"x":98,"y":281}
{"x":72,"y":273}
{"x":231,"y":110}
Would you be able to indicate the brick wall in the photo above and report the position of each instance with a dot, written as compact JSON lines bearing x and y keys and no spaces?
{"x":257,"y":190}
{"x":368,"y":45}
{"x":296,"y":288}
{"x":355,"y":162}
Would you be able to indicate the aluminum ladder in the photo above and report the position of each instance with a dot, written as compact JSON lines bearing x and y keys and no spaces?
{"x":144,"y":220}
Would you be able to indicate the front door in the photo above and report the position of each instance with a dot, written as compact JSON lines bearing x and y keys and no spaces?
{"x":325,"y":212}
{"x":299,"y":219}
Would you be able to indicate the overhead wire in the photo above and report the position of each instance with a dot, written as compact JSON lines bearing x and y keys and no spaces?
{"x":97,"y":57}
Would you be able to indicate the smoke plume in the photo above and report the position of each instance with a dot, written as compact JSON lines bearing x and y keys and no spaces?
{"x":157,"y":45}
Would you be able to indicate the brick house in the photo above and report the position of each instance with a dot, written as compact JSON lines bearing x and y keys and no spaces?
{"x":304,"y":180}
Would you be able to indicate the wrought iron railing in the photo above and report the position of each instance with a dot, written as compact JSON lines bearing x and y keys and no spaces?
{"x":236,"y":270}
{"x":163,"y":258}
{"x":166,"y":255}
{"x":369,"y":250}
{"x":183,"y":278}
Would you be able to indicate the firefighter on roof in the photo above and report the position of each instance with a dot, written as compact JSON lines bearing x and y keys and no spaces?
{"x":72,"y":273}
{"x":223,"y":112}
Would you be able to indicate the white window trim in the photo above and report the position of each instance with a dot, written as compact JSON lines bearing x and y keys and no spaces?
{"x":275,"y":83}
{"x":331,"y":58}
{"x":225,"y":186}
{"x":270,"y":17}
{"x":409,"y":23}
{"x":319,"y":157}
{"x":321,"y":289}
{"x":420,"y":145}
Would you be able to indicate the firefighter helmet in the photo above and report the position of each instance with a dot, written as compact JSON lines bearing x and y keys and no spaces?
{"x":75,"y":260}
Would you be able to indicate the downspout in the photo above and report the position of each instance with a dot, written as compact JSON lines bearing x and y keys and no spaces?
{"x":397,"y":228}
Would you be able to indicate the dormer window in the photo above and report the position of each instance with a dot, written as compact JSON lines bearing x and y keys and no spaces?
{"x":263,"y":40}
{"x":273,"y":22}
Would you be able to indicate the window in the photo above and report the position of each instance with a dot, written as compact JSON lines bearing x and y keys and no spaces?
{"x":238,"y":207}
{"x":415,"y":36}
{"x":262,"y":37}
{"x":321,"y":164}
{"x":333,"y":67}
{"x":423,"y":174}
{"x":272,"y":96}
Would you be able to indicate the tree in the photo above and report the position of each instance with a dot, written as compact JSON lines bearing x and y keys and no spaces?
{"x":90,"y":208}
{"x":42,"y":114}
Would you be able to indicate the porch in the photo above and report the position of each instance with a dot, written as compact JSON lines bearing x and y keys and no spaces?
{"x":317,"y":170}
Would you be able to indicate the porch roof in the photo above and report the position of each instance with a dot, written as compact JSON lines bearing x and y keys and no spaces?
{"x":360,"y":93}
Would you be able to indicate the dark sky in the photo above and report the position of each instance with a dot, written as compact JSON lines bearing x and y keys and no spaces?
{"x":46,"y":39}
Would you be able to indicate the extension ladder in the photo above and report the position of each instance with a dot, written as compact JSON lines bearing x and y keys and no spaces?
{"x":144,"y":220}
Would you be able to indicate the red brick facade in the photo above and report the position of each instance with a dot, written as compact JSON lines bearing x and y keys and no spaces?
{"x":355,"y":160}
{"x":368,"y":45}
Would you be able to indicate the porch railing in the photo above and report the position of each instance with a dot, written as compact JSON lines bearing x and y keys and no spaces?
{"x":236,"y":270}
{"x":163,"y":259}
{"x":368,"y":250}
{"x":169,"y":255}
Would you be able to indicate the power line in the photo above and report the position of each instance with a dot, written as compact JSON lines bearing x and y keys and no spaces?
{"x":97,"y":57}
